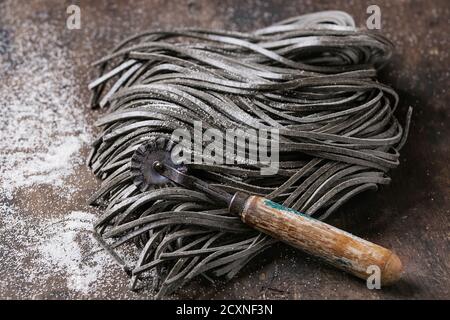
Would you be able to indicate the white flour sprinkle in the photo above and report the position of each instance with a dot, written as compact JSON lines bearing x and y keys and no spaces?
{"x":42,"y":133}
{"x":71,"y":248}
{"x":39,"y":250}
{"x":42,"y":126}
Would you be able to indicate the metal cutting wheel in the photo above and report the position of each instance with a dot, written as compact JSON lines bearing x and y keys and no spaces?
{"x":145,"y":176}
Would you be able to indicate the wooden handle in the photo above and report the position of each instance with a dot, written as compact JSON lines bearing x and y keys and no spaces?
{"x":336,"y":246}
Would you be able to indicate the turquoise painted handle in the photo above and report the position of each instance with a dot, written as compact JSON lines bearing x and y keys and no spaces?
{"x":337,"y":247}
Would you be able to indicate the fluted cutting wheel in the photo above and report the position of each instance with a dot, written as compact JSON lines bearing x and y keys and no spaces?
{"x":145,"y":176}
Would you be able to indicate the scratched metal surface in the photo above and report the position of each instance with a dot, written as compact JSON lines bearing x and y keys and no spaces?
{"x":411,"y":215}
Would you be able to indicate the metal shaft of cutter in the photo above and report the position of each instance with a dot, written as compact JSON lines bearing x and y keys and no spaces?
{"x":191,"y":182}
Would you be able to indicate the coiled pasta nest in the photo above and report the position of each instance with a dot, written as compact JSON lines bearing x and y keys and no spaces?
{"x":312,"y":77}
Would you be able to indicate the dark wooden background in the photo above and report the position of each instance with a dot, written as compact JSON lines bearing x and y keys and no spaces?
{"x":411,"y":215}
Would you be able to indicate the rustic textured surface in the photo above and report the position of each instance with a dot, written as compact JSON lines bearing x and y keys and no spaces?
{"x":411,"y":215}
